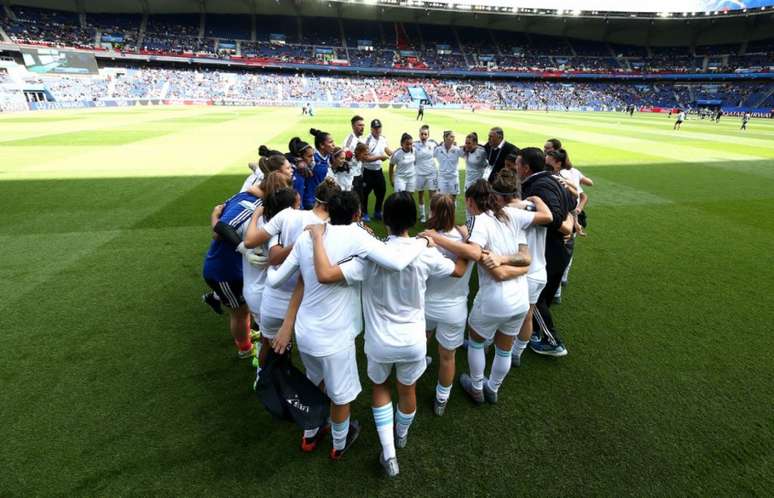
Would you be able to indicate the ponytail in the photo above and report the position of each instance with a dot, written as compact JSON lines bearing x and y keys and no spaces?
{"x":485,"y":199}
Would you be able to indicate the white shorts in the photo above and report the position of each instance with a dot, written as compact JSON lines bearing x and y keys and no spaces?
{"x":270,"y":326}
{"x":253,"y":299}
{"x":405,"y":184}
{"x":407,"y":372}
{"x":472,"y":176}
{"x":449,"y":335}
{"x":449,"y":186}
{"x":426,"y":182}
{"x":535,"y":288}
{"x":486,"y":326}
{"x":338,"y":371}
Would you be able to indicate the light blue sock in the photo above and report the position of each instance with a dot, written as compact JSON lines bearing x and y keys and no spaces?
{"x":403,"y":421}
{"x":339,"y":433}
{"x":442,"y":393}
{"x":384,"y":426}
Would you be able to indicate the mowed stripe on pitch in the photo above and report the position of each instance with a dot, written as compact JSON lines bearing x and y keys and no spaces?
{"x":623,"y":142}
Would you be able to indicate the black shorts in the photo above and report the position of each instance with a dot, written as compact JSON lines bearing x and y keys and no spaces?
{"x":229,"y":293}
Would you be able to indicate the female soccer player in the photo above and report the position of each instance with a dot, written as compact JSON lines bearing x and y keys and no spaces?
{"x":323,"y":144}
{"x":502,"y":301}
{"x":426,"y":170}
{"x":223,"y":269}
{"x":446,"y":300}
{"x":283,"y":230}
{"x":476,"y":162}
{"x":530,"y":215}
{"x":402,"y":172}
{"x":341,"y":168}
{"x":393,"y":306}
{"x":326,"y":315}
{"x":448,"y":157}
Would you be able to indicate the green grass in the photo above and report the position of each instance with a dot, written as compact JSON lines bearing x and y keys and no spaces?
{"x":116,"y":380}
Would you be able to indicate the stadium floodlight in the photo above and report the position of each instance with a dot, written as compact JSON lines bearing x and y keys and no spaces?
{"x":576,"y":12}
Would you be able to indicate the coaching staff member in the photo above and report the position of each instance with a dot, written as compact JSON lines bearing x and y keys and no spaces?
{"x":497,"y":150}
{"x":373,"y":175}
{"x":530,"y":166}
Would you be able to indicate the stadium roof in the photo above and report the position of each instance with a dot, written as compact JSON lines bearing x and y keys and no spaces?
{"x":644,"y":28}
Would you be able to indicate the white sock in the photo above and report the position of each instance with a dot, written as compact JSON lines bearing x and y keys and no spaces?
{"x":518,"y":348}
{"x":339,"y":433}
{"x":558,"y":292}
{"x":442,"y":393}
{"x":384,"y":422}
{"x":310,"y":433}
{"x":501,"y":365}
{"x":403,"y":422}
{"x":477,"y":362}
{"x":421,"y":210}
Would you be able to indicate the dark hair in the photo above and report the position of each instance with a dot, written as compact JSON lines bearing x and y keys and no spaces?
{"x":534,"y":158}
{"x":296,"y":146}
{"x":343,"y":207}
{"x":507,"y":184}
{"x":271,"y":163}
{"x":485,"y":199}
{"x":555,"y":142}
{"x":473,"y":136}
{"x":560,"y":155}
{"x":277,"y":201}
{"x":356,"y":118}
{"x":441,"y":213}
{"x":274,"y":181}
{"x":424,"y":127}
{"x":326,"y":190}
{"x":319,"y":137}
{"x":400,"y":212}
{"x":511,"y":158}
{"x":360,"y":148}
{"x":498,"y":131}
{"x":264,"y":151}
{"x":405,"y":137}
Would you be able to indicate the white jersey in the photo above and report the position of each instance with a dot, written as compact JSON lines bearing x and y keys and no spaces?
{"x":445,"y":293}
{"x":499,"y":299}
{"x":284,"y":227}
{"x":376,"y":147}
{"x":254,"y":179}
{"x":344,"y":179}
{"x":404,"y":163}
{"x":448,"y":161}
{"x":423,"y":154}
{"x":476,"y":160}
{"x":681,"y":116}
{"x":536,"y":240}
{"x":329,"y":317}
{"x":356,"y":167}
{"x":253,"y":277}
{"x":394,"y":302}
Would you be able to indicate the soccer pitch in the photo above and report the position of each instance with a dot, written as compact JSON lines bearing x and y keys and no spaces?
{"x":117,"y":380}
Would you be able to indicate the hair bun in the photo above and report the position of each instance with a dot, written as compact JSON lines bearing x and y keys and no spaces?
{"x":263,"y":151}
{"x":314,"y":131}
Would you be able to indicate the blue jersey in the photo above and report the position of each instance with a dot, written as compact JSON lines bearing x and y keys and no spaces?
{"x":223,"y":263}
{"x":319,"y":172}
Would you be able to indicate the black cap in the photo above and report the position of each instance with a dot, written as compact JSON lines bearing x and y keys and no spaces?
{"x":376,"y":123}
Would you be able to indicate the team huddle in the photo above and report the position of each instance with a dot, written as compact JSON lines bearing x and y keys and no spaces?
{"x":294,"y":262}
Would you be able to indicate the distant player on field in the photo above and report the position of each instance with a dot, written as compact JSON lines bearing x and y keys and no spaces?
{"x":421,"y":111}
{"x":680,"y":119}
{"x":745,"y":120}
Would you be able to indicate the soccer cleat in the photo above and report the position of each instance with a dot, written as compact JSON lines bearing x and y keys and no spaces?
{"x":308,"y":445}
{"x":516,"y":360}
{"x":477,"y":395}
{"x":378,"y":216}
{"x":439,"y":407}
{"x":557,"y":299}
{"x":547,"y":349}
{"x":365,"y":218}
{"x":255,"y":335}
{"x":428,"y":360}
{"x":246,"y":353}
{"x":354,"y":432}
{"x":423,"y":219}
{"x":489,"y":395}
{"x":535,"y":337}
{"x":213,"y":302}
{"x":390,"y":465}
